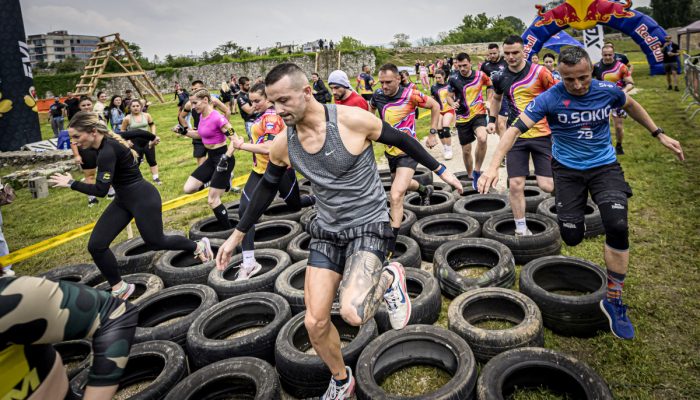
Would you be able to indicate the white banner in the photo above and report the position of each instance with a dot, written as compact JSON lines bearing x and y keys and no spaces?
{"x":594,"y":40}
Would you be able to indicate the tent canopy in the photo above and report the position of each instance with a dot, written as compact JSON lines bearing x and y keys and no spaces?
{"x":556,"y":42}
{"x":692,"y":28}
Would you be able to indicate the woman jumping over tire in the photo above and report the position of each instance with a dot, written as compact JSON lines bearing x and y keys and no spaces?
{"x":263,"y":131}
{"x":135,"y":198}
{"x":213,"y":128}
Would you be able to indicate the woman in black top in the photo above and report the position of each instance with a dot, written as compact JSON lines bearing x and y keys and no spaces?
{"x":320,"y":91}
{"x":117,"y":165}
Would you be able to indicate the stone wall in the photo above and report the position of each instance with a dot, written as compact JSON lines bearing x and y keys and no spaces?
{"x":447,"y":49}
{"x":214,"y":74}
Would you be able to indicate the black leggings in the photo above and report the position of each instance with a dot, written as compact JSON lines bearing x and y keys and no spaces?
{"x":148,"y":153}
{"x":142,"y":202}
{"x":288,"y":190}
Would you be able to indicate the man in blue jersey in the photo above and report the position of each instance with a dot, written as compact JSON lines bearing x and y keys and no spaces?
{"x":583,"y":160}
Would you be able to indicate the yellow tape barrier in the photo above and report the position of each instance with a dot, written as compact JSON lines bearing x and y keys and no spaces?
{"x":48,"y":244}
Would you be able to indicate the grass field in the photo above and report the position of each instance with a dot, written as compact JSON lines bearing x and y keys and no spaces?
{"x":663,"y":362}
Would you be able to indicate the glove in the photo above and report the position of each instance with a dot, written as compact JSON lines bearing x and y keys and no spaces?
{"x":222,"y":165}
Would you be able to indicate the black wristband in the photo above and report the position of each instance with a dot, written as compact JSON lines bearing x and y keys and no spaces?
{"x":657,"y":132}
{"x":492,"y":119}
{"x":433,"y":131}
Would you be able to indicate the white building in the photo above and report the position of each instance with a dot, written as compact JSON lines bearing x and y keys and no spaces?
{"x":58,"y":45}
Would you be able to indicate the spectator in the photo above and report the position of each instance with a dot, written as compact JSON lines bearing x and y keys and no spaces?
{"x":671,"y":52}
{"x":330,"y":45}
{"x":116,"y":114}
{"x":72,"y":105}
{"x":6,"y":196}
{"x":57,"y":113}
{"x":126,"y":101}
{"x":320,"y":91}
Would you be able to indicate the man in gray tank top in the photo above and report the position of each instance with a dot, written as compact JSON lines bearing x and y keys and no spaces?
{"x":332,"y":147}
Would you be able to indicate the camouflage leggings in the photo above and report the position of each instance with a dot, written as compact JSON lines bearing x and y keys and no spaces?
{"x":36,"y":311}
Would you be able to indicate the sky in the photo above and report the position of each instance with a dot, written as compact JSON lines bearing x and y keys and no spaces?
{"x":183,"y":27}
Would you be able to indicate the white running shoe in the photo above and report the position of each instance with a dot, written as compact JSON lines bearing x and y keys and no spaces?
{"x":526,"y":233}
{"x":397,"y":301}
{"x":245,"y":273}
{"x":448,"y":154}
{"x":204,"y":251}
{"x":335,"y":392}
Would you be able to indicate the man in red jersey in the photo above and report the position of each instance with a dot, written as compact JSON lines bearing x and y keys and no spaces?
{"x":342,"y":91}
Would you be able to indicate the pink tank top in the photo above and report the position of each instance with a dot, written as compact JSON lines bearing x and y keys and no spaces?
{"x":209,"y":128}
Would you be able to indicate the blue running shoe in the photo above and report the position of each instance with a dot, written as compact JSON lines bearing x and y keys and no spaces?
{"x":620,"y":324}
{"x":476,"y":175}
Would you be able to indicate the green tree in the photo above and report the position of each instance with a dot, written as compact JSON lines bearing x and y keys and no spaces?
{"x":425,"y":41}
{"x":348,"y":43}
{"x":645,"y":10}
{"x":70,"y":64}
{"x":516,"y":23}
{"x":481,"y":28}
{"x":274,"y":52}
{"x":401,"y":40}
{"x":672,"y":13}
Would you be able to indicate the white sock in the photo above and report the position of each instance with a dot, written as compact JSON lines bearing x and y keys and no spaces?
{"x":110,"y":192}
{"x":520,"y":225}
{"x":91,"y":198}
{"x":447,"y":148}
{"x":155,"y":176}
{"x":248,"y":258}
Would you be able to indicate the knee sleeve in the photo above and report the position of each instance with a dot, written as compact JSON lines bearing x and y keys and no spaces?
{"x":613,"y":212}
{"x":571,"y":232}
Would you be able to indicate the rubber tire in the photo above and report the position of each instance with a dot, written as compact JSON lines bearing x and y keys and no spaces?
{"x":423,"y":176}
{"x":266,"y":310}
{"x":533,"y":367}
{"x":407,"y":252}
{"x":463,"y":177}
{"x":417,"y":345}
{"x":445,"y":206}
{"x":130,"y":257}
{"x":384,"y":174}
{"x":298,"y":248}
{"x":280,"y":210}
{"x":547,"y":242}
{"x":290,"y":285}
{"x":74,"y":350}
{"x":273,"y":262}
{"x":307,"y":217}
{"x":426,"y":300}
{"x":495,"y":303}
{"x":442,"y":186}
{"x":592,"y":218}
{"x":146,"y":286}
{"x":469,"y":191}
{"x":170,"y":303}
{"x":233,"y":206}
{"x":533,"y":197}
{"x":498,"y":205}
{"x":567,"y":315}
{"x":407,"y":220}
{"x":248,"y":377}
{"x":208,"y":227}
{"x":305,"y":375}
{"x":291,"y":229}
{"x":87,"y":274}
{"x":304,"y":185}
{"x":429,"y":242}
{"x":458,"y":254}
{"x":192,"y":271}
{"x":165,"y":361}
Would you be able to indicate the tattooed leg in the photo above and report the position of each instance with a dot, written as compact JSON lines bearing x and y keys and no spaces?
{"x":362,"y":288}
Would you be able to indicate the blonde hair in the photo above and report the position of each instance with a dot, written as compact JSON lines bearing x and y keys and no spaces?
{"x":202,"y":94}
{"x":225,"y":87}
{"x":86,"y":121}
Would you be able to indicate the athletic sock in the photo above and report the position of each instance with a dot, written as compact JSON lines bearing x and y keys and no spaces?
{"x":155,"y":176}
{"x":391,"y":245}
{"x":248,"y":258}
{"x":615,"y":283}
{"x":341,"y":382}
{"x":520,"y":225}
{"x":221,"y":214}
{"x":111,"y":191}
{"x":421,"y":188}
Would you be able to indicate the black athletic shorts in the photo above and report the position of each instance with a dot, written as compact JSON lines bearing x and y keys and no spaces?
{"x":330,"y":250}
{"x":198,"y":149}
{"x":89,"y":157}
{"x":571,"y":187}
{"x":504,"y":108}
{"x":207,"y":171}
{"x":466,"y":131}
{"x":670,"y":67}
{"x":518,"y":158}
{"x":402,"y":161}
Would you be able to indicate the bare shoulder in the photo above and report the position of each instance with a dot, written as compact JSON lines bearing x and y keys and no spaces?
{"x":279,"y":152}
{"x":358,"y":120}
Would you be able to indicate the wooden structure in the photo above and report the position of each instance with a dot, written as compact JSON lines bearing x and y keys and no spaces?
{"x":112,"y":47}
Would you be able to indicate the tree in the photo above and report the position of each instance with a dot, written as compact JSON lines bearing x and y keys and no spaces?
{"x":516,"y":23}
{"x":274,"y":52}
{"x":401,"y":40}
{"x":425,"y":41}
{"x":481,"y":28}
{"x":645,"y":10}
{"x":348,"y":43}
{"x":672,"y":13}
{"x":70,"y":64}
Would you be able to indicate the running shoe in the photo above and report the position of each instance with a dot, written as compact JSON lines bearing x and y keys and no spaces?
{"x":425,"y":196}
{"x":448,"y":153}
{"x":342,"y":392}
{"x":619,"y":150}
{"x":157,"y":181}
{"x":8,"y":272}
{"x":398,"y":303}
{"x":245,"y":273}
{"x":125,"y":291}
{"x":92,"y":201}
{"x":526,"y":233}
{"x":616,"y":312}
{"x":204,"y":251}
{"x":475,"y":179}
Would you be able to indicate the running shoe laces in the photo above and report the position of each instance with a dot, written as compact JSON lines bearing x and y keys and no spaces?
{"x":245,"y":273}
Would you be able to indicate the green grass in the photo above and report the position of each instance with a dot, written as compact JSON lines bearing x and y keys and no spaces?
{"x":662,"y":286}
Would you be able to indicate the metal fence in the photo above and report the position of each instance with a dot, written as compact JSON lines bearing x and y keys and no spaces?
{"x":692,"y":83}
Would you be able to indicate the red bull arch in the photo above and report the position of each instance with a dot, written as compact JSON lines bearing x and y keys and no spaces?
{"x":586,"y":14}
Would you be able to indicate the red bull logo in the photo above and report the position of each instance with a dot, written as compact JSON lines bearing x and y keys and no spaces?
{"x":583,"y":14}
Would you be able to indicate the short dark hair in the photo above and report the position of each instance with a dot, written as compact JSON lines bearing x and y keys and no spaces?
{"x":549,"y":55}
{"x":463,"y":56}
{"x":389,"y":67}
{"x":573,"y":55}
{"x":83,"y":98}
{"x":196,"y":82}
{"x":280,"y":71}
{"x":513,"y":39}
{"x":440,"y":72}
{"x":243,"y":80}
{"x":316,"y":73}
{"x":493,"y":46}
{"x":99,"y":93}
{"x":258,"y":88}
{"x":128,"y":90}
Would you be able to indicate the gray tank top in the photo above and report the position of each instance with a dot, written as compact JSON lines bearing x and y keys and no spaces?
{"x":348,"y":190}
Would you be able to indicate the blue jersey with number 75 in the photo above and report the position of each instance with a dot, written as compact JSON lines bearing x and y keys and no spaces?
{"x":580,"y":124}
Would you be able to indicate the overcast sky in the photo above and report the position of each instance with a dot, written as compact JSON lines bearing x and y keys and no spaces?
{"x":193,"y":26}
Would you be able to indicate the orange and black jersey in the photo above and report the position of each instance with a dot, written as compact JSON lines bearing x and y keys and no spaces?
{"x":615,"y":72}
{"x":468,"y":91}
